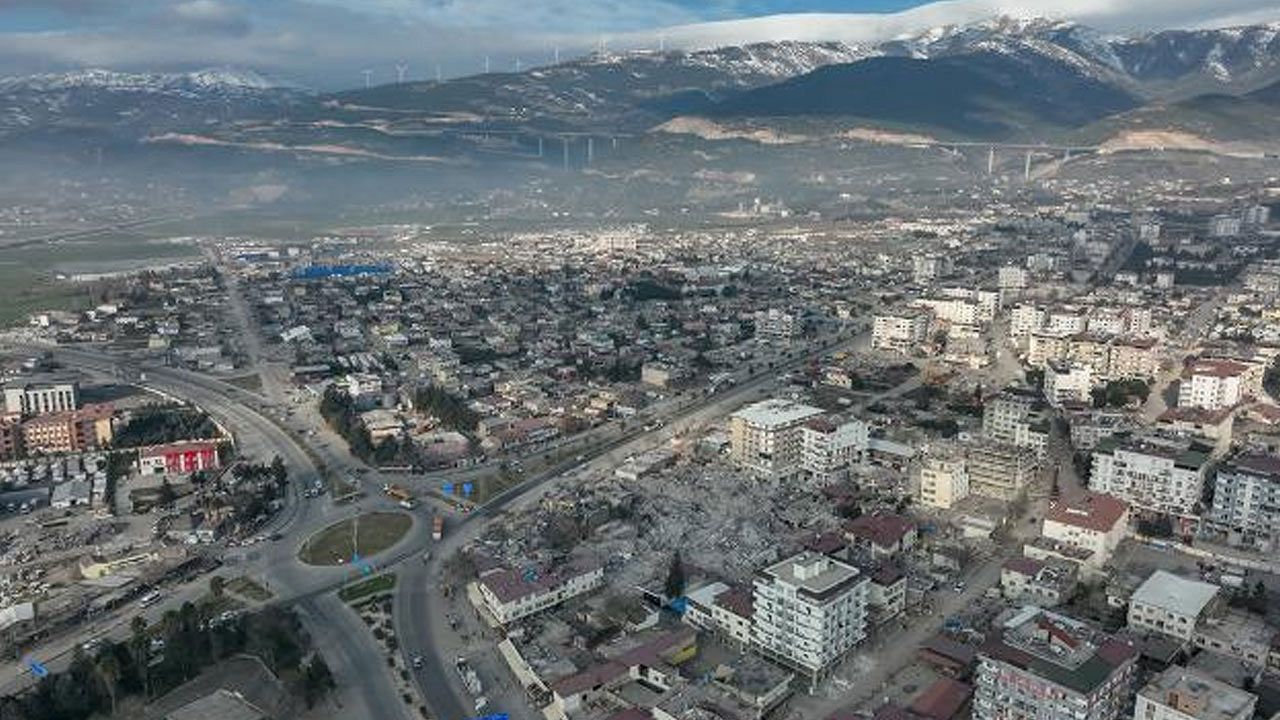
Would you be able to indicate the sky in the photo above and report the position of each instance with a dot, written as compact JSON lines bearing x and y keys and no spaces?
{"x":329,"y":43}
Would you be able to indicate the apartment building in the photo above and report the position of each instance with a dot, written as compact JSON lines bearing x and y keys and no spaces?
{"x":902,"y":331}
{"x":944,"y":480}
{"x":998,"y":470}
{"x":1024,"y":320}
{"x":767,"y":438}
{"x":925,"y":269}
{"x":29,"y":397}
{"x":1152,"y":473}
{"x":1040,"y":665}
{"x":808,"y":611}
{"x":510,"y":594}
{"x":1067,"y":383}
{"x":1109,"y":358}
{"x":1212,"y":385}
{"x":774,"y":325}
{"x":1246,"y":500}
{"x":89,"y":428}
{"x":1171,"y":605}
{"x":1016,"y":417}
{"x":1181,"y":693}
{"x":829,"y":448}
{"x":1013,"y":278}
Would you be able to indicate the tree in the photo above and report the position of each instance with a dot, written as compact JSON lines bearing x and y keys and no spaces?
{"x":140,"y":650}
{"x":108,"y":667}
{"x":278,"y":471}
{"x":217,"y":585}
{"x":674,"y":586}
{"x":317,"y":680}
{"x":167,"y":493}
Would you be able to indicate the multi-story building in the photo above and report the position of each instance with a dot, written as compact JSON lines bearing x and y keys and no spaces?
{"x":829,"y":448}
{"x":1181,"y":693}
{"x":1152,"y":473}
{"x":1067,"y":383}
{"x":1044,"y":666}
{"x":10,"y":439}
{"x":86,"y":429}
{"x":1016,"y":417}
{"x":1246,"y":500}
{"x":1221,"y":226}
{"x":944,"y":480}
{"x":925,"y":269}
{"x":998,"y":470}
{"x":1109,"y":358}
{"x":902,"y":331}
{"x":1065,"y":321}
{"x":1025,"y":320}
{"x":1212,"y":385}
{"x":40,"y":396}
{"x":510,"y":594}
{"x":1046,"y":583}
{"x":774,"y":325}
{"x":1013,"y":278}
{"x":1171,"y":605}
{"x":766,"y":438}
{"x":808,"y":611}
{"x":1094,"y":522}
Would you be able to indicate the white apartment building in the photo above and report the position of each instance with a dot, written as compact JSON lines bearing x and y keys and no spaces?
{"x":1156,"y":474}
{"x":1221,"y":226}
{"x":40,"y":397}
{"x":1065,"y":321}
{"x":1246,"y":500}
{"x":829,"y":448}
{"x":1013,"y":277}
{"x":1171,"y":605}
{"x":957,"y":311}
{"x":808,"y":611}
{"x":1066,"y":383}
{"x":774,"y":325}
{"x":944,"y":481}
{"x":925,"y":269}
{"x":1014,"y":417}
{"x":1181,"y":693}
{"x":1212,"y":385}
{"x":1025,"y":320}
{"x":1094,"y":522}
{"x":510,"y":594}
{"x":902,"y":331}
{"x":766,"y":438}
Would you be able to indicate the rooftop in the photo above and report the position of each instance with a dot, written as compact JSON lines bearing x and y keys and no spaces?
{"x":1175,"y":594}
{"x":1198,"y":695}
{"x":1094,"y":511}
{"x":776,"y":413}
{"x":1059,"y":649}
{"x":815,"y":575}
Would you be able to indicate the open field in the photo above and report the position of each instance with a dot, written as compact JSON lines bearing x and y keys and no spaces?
{"x":376,"y":585}
{"x":367,"y":534}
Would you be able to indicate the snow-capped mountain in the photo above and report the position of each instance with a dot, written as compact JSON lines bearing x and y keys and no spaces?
{"x":225,"y":80}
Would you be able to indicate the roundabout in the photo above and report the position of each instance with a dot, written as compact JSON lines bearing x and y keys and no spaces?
{"x":361,"y":536}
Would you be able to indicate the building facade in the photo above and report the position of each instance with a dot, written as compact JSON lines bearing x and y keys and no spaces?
{"x":1181,"y":693}
{"x":1159,"y":475}
{"x":1246,"y":500}
{"x":766,"y":438}
{"x":808,"y":612}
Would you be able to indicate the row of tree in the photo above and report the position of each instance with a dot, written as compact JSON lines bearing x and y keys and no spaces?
{"x":161,"y":424}
{"x":155,"y":660}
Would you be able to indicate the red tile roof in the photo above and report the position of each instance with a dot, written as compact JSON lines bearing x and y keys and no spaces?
{"x":942,"y":700}
{"x":1095,"y":511}
{"x":882,"y":530}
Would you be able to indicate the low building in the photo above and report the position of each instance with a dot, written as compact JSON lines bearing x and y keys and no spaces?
{"x":510,"y":594}
{"x":1095,"y":522}
{"x":1042,"y":583}
{"x":40,"y":396}
{"x":1171,"y":605}
{"x":882,"y":536}
{"x":180,"y":457}
{"x":1181,"y":693}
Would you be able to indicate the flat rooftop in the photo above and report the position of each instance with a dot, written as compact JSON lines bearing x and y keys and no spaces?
{"x":818,"y":576}
{"x":776,"y":413}
{"x":1175,"y":593}
{"x":1198,"y":695}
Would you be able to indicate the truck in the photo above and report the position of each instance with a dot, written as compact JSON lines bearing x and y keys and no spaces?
{"x":398,"y":493}
{"x":469,"y":677}
{"x":437,"y":527}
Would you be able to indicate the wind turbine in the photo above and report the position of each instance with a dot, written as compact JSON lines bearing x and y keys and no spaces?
{"x":486,"y":64}
{"x":517,"y":65}
{"x":368,"y":78}
{"x":401,"y":70}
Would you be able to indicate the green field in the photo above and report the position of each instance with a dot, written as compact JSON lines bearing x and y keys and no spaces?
{"x":367,"y":534}
{"x":28,"y":274}
{"x":374,"y":586}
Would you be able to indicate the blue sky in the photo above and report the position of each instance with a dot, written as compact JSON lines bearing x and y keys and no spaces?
{"x":327,"y":43}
